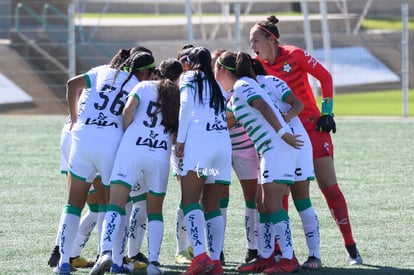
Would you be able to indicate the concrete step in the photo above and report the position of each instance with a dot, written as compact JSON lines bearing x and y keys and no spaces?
{"x":206,"y":27}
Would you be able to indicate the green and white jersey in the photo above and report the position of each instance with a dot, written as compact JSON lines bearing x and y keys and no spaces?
{"x":259,"y":130}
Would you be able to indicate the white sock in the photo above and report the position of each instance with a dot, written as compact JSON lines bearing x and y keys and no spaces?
{"x":250,"y":221}
{"x":110,"y":228}
{"x":70,"y":226}
{"x":194,"y":222}
{"x":310,"y":226}
{"x":267,"y":239}
{"x":86,"y":226}
{"x":215,"y":234}
{"x":137,"y":227}
{"x":181,"y":236}
{"x":58,"y":235}
{"x":118,"y":245}
{"x":99,"y":223}
{"x":284,"y":238}
{"x":155,"y":235}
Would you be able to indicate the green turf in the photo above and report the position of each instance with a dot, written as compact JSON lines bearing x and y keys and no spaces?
{"x":386,"y":103}
{"x":374,"y":162}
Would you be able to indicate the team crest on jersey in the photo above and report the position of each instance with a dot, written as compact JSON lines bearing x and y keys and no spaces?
{"x":286,"y":67}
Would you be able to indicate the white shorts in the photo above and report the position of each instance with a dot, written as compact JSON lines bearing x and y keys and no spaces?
{"x":175,"y":162}
{"x":65,"y":145}
{"x":139,"y":187}
{"x":304,"y":164}
{"x":93,"y":152}
{"x":210,"y":156}
{"x":278,"y":165}
{"x":246,"y":163}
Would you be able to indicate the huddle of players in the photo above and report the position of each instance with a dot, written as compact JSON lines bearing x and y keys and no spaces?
{"x":208,"y":116}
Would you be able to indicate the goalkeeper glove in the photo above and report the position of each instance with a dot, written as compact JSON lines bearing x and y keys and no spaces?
{"x":326,"y":122}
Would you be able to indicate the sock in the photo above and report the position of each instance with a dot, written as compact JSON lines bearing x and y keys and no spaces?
{"x":180,"y":231}
{"x":119,"y":241}
{"x":86,"y":226}
{"x":310,"y":226}
{"x":110,"y":226}
{"x":58,"y":235}
{"x":155,"y":236}
{"x":99,"y":222}
{"x":283,"y":233}
{"x":137,"y":227}
{"x":267,"y":234}
{"x":250,"y":219}
{"x":70,"y":225}
{"x":224,"y":203}
{"x":194,"y":222}
{"x":215,"y":233}
{"x":339,"y":210}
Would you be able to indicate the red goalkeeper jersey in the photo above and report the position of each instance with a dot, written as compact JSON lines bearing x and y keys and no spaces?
{"x":292,"y":64}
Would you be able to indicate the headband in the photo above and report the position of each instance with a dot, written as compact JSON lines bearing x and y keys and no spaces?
{"x":130,"y":69}
{"x":224,"y":66}
{"x":268,"y":31}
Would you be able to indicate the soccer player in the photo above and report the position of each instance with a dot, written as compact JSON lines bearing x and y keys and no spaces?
{"x":150,"y":119}
{"x":203,"y":143}
{"x":293,"y":65}
{"x":96,"y":133}
{"x":290,"y":107}
{"x":278,"y":149}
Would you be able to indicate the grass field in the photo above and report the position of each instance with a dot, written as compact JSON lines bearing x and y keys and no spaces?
{"x":374,"y":161}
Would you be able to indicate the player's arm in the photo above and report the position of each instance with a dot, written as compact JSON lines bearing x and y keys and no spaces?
{"x":296,"y":106}
{"x":269,"y":115}
{"x":325,"y":123}
{"x":129,"y":109}
{"x":74,"y":88}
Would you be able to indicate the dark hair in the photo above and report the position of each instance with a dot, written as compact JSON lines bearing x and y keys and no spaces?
{"x":168,"y":101}
{"x":239,"y":64}
{"x":270,"y":25}
{"x":123,"y":54}
{"x":199,"y":60}
{"x":258,"y":67}
{"x":137,"y":62}
{"x":182,"y":55}
{"x":184,"y":48}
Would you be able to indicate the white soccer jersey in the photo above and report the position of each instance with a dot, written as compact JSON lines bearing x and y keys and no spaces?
{"x":258,"y":129}
{"x":207,"y":142}
{"x":278,"y":90}
{"x":145,"y":146}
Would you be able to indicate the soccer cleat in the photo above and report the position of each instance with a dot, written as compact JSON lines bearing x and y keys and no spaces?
{"x":64,"y":269}
{"x":312,"y":263}
{"x":154,"y":268}
{"x":190,"y":251}
{"x":183,"y":257}
{"x":217,"y":268}
{"x":251,"y":254}
{"x":81,"y":262}
{"x":354,"y":258}
{"x":355,"y":261}
{"x":139,"y":265}
{"x":222,"y":259}
{"x":284,"y":266}
{"x":123,"y":269}
{"x":257,"y":265}
{"x":140,"y":257}
{"x":54,"y":257}
{"x":201,"y":264}
{"x":103,"y":263}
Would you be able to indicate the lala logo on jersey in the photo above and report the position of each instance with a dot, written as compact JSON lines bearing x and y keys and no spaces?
{"x":216,"y":126}
{"x":100,"y":121}
{"x":286,"y":67}
{"x":152,"y":141}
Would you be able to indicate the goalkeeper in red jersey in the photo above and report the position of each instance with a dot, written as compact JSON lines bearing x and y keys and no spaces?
{"x":293,"y":65}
